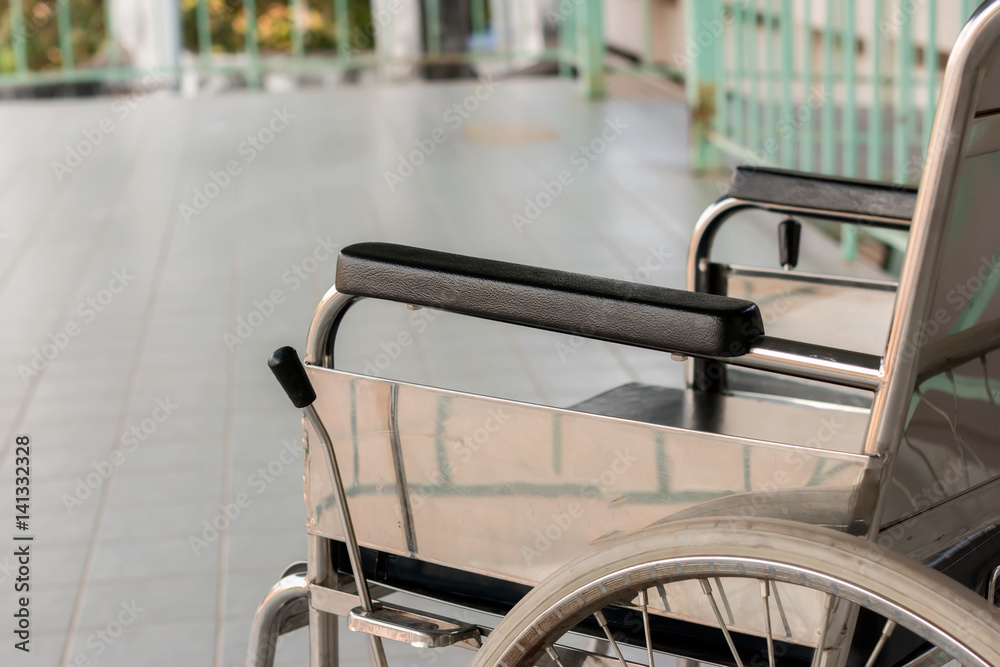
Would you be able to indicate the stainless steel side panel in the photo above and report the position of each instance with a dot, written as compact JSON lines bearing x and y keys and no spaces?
{"x":516,"y":491}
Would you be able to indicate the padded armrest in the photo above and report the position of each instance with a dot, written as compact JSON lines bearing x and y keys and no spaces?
{"x":840,"y":195}
{"x":612,"y":310}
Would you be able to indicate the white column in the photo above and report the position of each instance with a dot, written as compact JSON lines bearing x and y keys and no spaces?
{"x":148,"y":33}
{"x":396,"y":24}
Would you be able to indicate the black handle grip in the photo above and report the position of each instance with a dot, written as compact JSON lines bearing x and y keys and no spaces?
{"x":789,"y":238}
{"x":291,"y":375}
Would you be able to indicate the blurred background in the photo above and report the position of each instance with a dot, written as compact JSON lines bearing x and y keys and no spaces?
{"x":176,"y":177}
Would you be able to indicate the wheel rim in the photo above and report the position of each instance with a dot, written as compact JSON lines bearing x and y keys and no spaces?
{"x":633,"y":583}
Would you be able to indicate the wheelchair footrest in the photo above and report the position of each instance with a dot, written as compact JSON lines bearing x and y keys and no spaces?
{"x":416,"y":628}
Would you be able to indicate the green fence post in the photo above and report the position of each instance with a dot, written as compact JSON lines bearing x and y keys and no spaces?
{"x":478,"y":10}
{"x":787,"y":122}
{"x":433,"y":21}
{"x":770,"y":75}
{"x":64,"y":24}
{"x":931,"y":66}
{"x":808,"y":128}
{"x":827,"y":139}
{"x":904,"y":117}
{"x":203,"y":21}
{"x":342,"y":24}
{"x":876,"y":111}
{"x":753,"y":74}
{"x":720,"y":124}
{"x":18,"y":37}
{"x":112,"y":43}
{"x":590,"y":48}
{"x":300,"y":17}
{"x":849,"y":126}
{"x":567,"y":43}
{"x":647,"y":33}
{"x":250,"y":20}
{"x":703,"y":61}
{"x":739,"y":71}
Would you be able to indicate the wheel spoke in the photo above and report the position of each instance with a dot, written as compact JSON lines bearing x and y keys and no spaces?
{"x":781,"y":609}
{"x":705,"y":586}
{"x":645,"y":625}
{"x":725,"y":601}
{"x":765,"y":593}
{"x":935,"y":657}
{"x":603,"y":622}
{"x":886,"y":633}
{"x":821,"y":645}
{"x":554,"y":656}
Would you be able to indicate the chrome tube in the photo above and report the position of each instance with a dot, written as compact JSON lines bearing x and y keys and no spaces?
{"x":353,"y":551}
{"x":716,"y":214}
{"x":323,"y":640}
{"x":703,"y":236}
{"x":323,"y":329}
{"x":813,"y":362}
{"x":286,"y":598}
{"x":862,"y":372}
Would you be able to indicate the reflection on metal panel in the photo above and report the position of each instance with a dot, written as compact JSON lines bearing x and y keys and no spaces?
{"x":952,"y":438}
{"x":849,"y":315}
{"x":515,"y":490}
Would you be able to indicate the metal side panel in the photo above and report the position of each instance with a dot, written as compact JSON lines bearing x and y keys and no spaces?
{"x":515,"y":491}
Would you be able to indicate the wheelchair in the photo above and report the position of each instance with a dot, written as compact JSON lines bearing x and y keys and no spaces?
{"x":824,"y":491}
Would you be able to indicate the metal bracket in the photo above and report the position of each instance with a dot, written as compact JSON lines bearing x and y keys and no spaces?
{"x":411,"y":627}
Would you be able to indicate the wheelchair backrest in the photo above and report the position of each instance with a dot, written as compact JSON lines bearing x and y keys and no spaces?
{"x":939,"y":406}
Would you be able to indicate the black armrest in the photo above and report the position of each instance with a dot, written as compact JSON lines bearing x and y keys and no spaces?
{"x":612,"y":310}
{"x":839,"y":195}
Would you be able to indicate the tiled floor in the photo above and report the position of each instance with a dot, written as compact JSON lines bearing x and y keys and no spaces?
{"x":152,"y":379}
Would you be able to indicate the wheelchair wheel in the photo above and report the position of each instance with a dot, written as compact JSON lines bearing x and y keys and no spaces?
{"x":877,"y":608}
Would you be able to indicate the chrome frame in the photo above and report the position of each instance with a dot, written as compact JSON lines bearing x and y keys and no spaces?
{"x":889,"y":377}
{"x":795,"y":358}
{"x":960,"y":90}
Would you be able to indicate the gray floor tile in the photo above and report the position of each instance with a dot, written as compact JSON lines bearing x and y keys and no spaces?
{"x":163,"y":336}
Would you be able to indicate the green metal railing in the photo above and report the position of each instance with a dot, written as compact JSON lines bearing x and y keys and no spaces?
{"x":843,"y":87}
{"x":346,"y":38}
{"x":784,"y":85}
